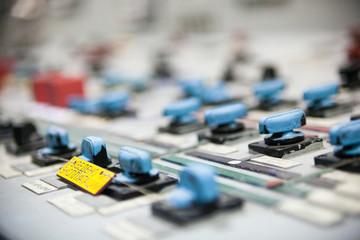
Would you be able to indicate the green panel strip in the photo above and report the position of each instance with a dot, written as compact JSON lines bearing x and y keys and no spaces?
{"x":249,"y":196}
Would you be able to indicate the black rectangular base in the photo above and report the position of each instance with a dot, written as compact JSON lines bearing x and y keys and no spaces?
{"x":122,"y":192}
{"x":184,"y":216}
{"x":228,"y":138}
{"x":330,"y":112}
{"x":244,"y":164}
{"x":224,"y":102}
{"x":284,"y":104}
{"x":18,"y":150}
{"x":125,"y":113}
{"x":286,"y":151}
{"x":46,"y":160}
{"x":329,"y":159}
{"x":182,"y":129}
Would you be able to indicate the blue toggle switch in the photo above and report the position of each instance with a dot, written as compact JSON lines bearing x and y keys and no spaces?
{"x":281,"y":126}
{"x":192,"y":87}
{"x":181,"y":110}
{"x":268,"y":91}
{"x":136,"y":165}
{"x":111,"y":78}
{"x":346,"y":138}
{"x":215,"y":95}
{"x":225,"y":114}
{"x":85,"y":106}
{"x":58,"y":141}
{"x":114,"y":102}
{"x":318,"y":97}
{"x":197,"y":187}
{"x":93,"y":149}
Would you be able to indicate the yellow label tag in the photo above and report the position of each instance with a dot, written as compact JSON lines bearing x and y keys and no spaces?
{"x":85,"y":175}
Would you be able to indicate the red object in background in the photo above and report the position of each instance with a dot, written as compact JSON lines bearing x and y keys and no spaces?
{"x":353,"y":51}
{"x":6,"y":66}
{"x":55,"y":88}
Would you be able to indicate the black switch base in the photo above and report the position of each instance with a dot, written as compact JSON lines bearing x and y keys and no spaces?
{"x":280,"y":151}
{"x":123,"y":192}
{"x":26,"y":148}
{"x":125,"y":113}
{"x":46,"y":160}
{"x":228,"y":138}
{"x":184,"y":216}
{"x":182,"y":128}
{"x":329,"y":112}
{"x":329,"y":159}
{"x":283,"y":104}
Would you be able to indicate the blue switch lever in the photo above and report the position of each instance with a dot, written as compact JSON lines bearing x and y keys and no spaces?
{"x":225,"y":114}
{"x":85,"y":106}
{"x":318,"y":97}
{"x":137,"y":166}
{"x":268,"y":91}
{"x":114,"y":102}
{"x":215,"y":95}
{"x":93,"y":149}
{"x":192,"y":87}
{"x":281,"y":126}
{"x":181,"y":110}
{"x":197,"y":187}
{"x":58,"y":141}
{"x":346,"y":138}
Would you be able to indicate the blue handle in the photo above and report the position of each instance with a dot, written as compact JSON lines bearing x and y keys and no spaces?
{"x":282,"y":122}
{"x":225,"y":114}
{"x":57,"y":140}
{"x":93,"y":150}
{"x":347,"y":138}
{"x":137,"y":166}
{"x":215,"y":95}
{"x":318,"y":97}
{"x":180,"y":110}
{"x":192,"y":87}
{"x":197,"y":186}
{"x":133,"y":160}
{"x":268,"y":91}
{"x":114,"y":102}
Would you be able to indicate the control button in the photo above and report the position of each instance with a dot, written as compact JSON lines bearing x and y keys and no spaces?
{"x":136,"y":165}
{"x":318,"y":97}
{"x":197,"y":187}
{"x":267,"y":92}
{"x":225,"y":114}
{"x":93,"y":150}
{"x":58,"y":141}
{"x":281,"y":126}
{"x":346,"y":138}
{"x":180,"y":111}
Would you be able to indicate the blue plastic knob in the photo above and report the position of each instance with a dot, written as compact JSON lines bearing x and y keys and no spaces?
{"x":111,"y":78}
{"x":192,"y":87}
{"x":268,"y":91}
{"x":215,"y":95}
{"x":346,"y":138}
{"x":58,"y":141}
{"x":136,"y":163}
{"x":85,"y":106}
{"x":282,"y":125}
{"x":93,"y":150}
{"x":181,"y":110}
{"x":225,"y":114}
{"x":114,"y":102}
{"x":318,"y":97}
{"x":197,"y":187}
